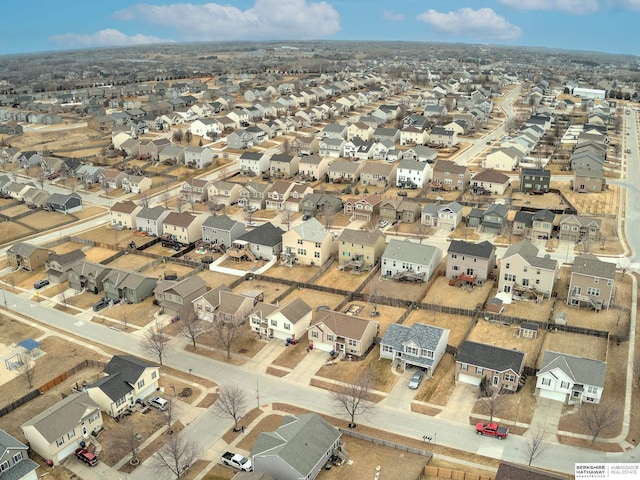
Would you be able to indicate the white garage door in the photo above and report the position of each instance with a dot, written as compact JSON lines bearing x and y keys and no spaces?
{"x":66,"y":451}
{"x":470,"y":379}
{"x":559,"y":396}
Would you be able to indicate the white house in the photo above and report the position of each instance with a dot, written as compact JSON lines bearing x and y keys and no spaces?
{"x":412,"y":173}
{"x":569,"y":379}
{"x":404,"y":259}
{"x":281,"y":321}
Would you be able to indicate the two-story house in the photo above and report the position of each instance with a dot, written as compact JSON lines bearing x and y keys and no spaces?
{"x":26,"y":256}
{"x":360,"y":249}
{"x":151,"y":220}
{"x":345,"y":335}
{"x":173,"y":296}
{"x":406,"y":260}
{"x":502,"y":367}
{"x":535,"y":180}
{"x":308,"y":244}
{"x":127,"y":380}
{"x":313,"y":167}
{"x":412,"y":173}
{"x":254,"y":163}
{"x":136,"y":183}
{"x":284,"y":166}
{"x":442,"y":136}
{"x":278,"y":194}
{"x":183,"y":227}
{"x":579,"y":228}
{"x":254,"y":194}
{"x":494,"y":218}
{"x":363,"y":208}
{"x":542,"y":224}
{"x":449,"y":216}
{"x":589,"y":181}
{"x":344,"y":171}
{"x":360,"y":130}
{"x":194,"y":190}
{"x":221,"y":230}
{"x":223,"y":305}
{"x":88,"y":276}
{"x":58,"y":265}
{"x":15,"y":463}
{"x":293,"y":203}
{"x":523,"y":273}
{"x":470,"y":263}
{"x":264,"y":242}
{"x":281,"y":321}
{"x":489,"y":181}
{"x":222,"y":192}
{"x":592,"y":283}
{"x":399,"y":210}
{"x":56,"y":432}
{"x":448,"y":175}
{"x":129,"y":286}
{"x":378,"y":174}
{"x":124,"y":214}
{"x":419,"y":345}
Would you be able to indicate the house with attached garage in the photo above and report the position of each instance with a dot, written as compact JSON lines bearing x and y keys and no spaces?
{"x":123,"y":215}
{"x":221,"y":192}
{"x":127,"y":380}
{"x":175,"y":296}
{"x":299,"y":448}
{"x":15,"y":463}
{"x":26,"y":256}
{"x":253,"y":163}
{"x":523,"y":273}
{"x":449,"y":216}
{"x":364,"y":208}
{"x":570,"y":379}
{"x":136,"y":183}
{"x":341,"y":333}
{"x":308,"y":243}
{"x":128,"y":286}
{"x":576,"y":228}
{"x":58,"y":265}
{"x":419,"y":345}
{"x":254,"y":194}
{"x":400,"y":210}
{"x":281,"y":321}
{"x":56,"y":432}
{"x":88,"y":276}
{"x":293,"y":203}
{"x":223,"y":305}
{"x":412,"y":174}
{"x":412,"y":135}
{"x":505,"y":159}
{"x":194,"y":190}
{"x":542,"y":224}
{"x":495,"y":218}
{"x":502,"y":367}
{"x":444,"y":137}
{"x":592,"y":283}
{"x":278,"y":194}
{"x":64,"y":202}
{"x":409,"y":261}
{"x":470,"y":263}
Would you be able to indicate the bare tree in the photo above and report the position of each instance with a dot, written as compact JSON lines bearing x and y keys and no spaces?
{"x":231,"y":403}
{"x":226,"y":332}
{"x":188,"y":136}
{"x":598,"y":418}
{"x":623,"y":265}
{"x":175,"y":457}
{"x":128,"y":443}
{"x":171,"y":413}
{"x":535,"y":446}
{"x":154,"y":342}
{"x":492,"y":404}
{"x":27,"y":369}
{"x":192,"y":326}
{"x":354,"y":399}
{"x":177,"y":136}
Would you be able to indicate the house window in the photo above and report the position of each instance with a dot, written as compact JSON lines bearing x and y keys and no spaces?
{"x":453,"y":255}
{"x":274,"y":323}
{"x":330,"y":337}
{"x":71,"y":434}
{"x":508,"y":377}
{"x":546,"y":381}
{"x":299,"y":241}
{"x":17,"y":457}
{"x":60,"y":441}
{"x":411,"y":350}
{"x":594,"y":292}
{"x":5,"y":466}
{"x":609,"y":282}
{"x":479,"y":370}
{"x":121,"y":401}
{"x":463,"y":367}
{"x":154,"y":375}
{"x":507,"y":266}
{"x":141,"y":383}
{"x":352,"y":342}
{"x":564,"y":385}
{"x":387,"y":348}
{"x":596,"y":280}
{"x":316,"y":254}
{"x":591,"y":389}
{"x":314,"y":334}
{"x":94,"y":417}
{"x":287,"y":326}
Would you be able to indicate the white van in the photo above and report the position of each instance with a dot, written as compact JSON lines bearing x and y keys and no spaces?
{"x":159,"y":403}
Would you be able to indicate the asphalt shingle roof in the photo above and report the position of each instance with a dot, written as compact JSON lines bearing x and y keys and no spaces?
{"x":488,"y":356}
{"x":583,"y":371}
{"x":481,"y":250}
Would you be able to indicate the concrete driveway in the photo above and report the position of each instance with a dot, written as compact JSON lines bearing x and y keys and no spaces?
{"x":460,"y":404}
{"x":547,"y":415}
{"x":401,"y":395}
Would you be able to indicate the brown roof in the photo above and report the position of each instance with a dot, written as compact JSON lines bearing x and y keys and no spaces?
{"x":448,"y":166}
{"x":340,"y":324}
{"x":360,"y":236}
{"x":127,"y":206}
{"x":183,"y":219}
{"x":491,"y":175}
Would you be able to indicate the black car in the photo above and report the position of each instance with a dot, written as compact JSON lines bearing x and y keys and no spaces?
{"x":99,"y":305}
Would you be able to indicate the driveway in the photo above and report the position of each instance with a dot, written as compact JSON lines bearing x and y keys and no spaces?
{"x":401,"y":395}
{"x":308,"y":367}
{"x":547,"y":415}
{"x":460,"y":404}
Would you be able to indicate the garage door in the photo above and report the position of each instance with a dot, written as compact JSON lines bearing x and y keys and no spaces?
{"x":559,"y":396}
{"x":470,"y":379}
{"x":68,"y":450}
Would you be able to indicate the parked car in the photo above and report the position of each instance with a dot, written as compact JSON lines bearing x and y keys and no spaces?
{"x":86,"y":456}
{"x":383,"y":223}
{"x":306,"y":217}
{"x":100,"y":304}
{"x":492,"y":430}
{"x":158,"y":402}
{"x":41,"y":283}
{"x":236,"y":460}
{"x":416,"y":380}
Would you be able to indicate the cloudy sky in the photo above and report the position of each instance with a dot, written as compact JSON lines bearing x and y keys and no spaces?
{"x":43,"y":25}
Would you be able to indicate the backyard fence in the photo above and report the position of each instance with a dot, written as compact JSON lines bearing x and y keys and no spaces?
{"x":386,"y":443}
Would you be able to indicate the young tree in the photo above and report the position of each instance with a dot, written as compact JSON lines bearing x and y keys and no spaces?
{"x":535,"y":446}
{"x":623,"y":265}
{"x":27,"y":369}
{"x":154,"y":343}
{"x":355,"y":398}
{"x":492,"y":404}
{"x":192,"y":326}
{"x":171,"y":413}
{"x":175,"y":457}
{"x":598,"y":418}
{"x":226,"y":332}
{"x":188,"y":136}
{"x":231,"y":403}
{"x":128,"y":443}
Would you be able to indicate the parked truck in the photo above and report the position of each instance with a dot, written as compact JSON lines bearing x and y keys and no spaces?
{"x":86,"y":456}
{"x":492,"y":430}
{"x":236,"y":460}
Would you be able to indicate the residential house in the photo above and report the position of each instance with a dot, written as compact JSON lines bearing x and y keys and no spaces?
{"x":391,"y":134}
{"x":223,"y":305}
{"x":523,"y":273}
{"x":413,"y":135}
{"x":27,"y":256}
{"x":64,"y":202}
{"x":592,"y":283}
{"x":283,"y":166}
{"x":448,"y":175}
{"x":151,"y":220}
{"x":194,"y":190}
{"x":253,"y":163}
{"x":590,"y":159}
{"x":289,"y":321}
{"x":345,"y":335}
{"x":112,"y":178}
{"x":123,"y":215}
{"x":56,"y":432}
{"x":412,"y":174}
{"x":409,"y":261}
{"x":579,"y":228}
{"x":88,"y":276}
{"x":293,"y":203}
{"x":360,"y":249}
{"x":360,"y":130}
{"x":366,"y":208}
{"x":344,"y":171}
{"x":15,"y":463}
{"x":378,"y":174}
{"x":399,"y":210}
{"x":542,"y":224}
{"x":449,"y":216}
{"x":419,"y":345}
{"x":183,"y":227}
{"x":308,"y":243}
{"x":206,"y":127}
{"x":502,"y":367}
{"x":304,"y":145}
{"x":318,"y":204}
{"x":222,"y":192}
{"x":172,"y":155}
{"x":88,"y":174}
{"x":494,"y":219}
{"x":278,"y":194}
{"x":299,"y":448}
{"x":444,"y":137}
{"x":174,"y":296}
{"x":254,"y":194}
{"x":512,"y":471}
{"x":589,"y":181}
{"x":506,"y":159}
{"x":313,"y":167}
{"x":570,"y":379}
{"x":152,"y":148}
{"x":240,"y":139}
{"x":128,"y":286}
{"x":334,"y":130}
{"x":58,"y":265}
{"x":136,"y":183}
{"x":471,"y":263}
{"x":331,"y":147}
{"x":198,"y":157}
{"x":221,"y":230}
{"x":487,"y":182}
{"x":535,"y":180}
{"x":264,"y":242}
{"x":522,"y":223}
{"x":127,"y":380}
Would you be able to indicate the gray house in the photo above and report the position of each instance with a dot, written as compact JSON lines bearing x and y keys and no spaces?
{"x":129,"y":286}
{"x":418,"y":345}
{"x":15,"y":463}
{"x":409,"y":261}
{"x":222,"y":230}
{"x":64,"y":202}
{"x":298,"y":449}
{"x":150,"y":220}
{"x":495,"y":218}
{"x":88,"y":276}
{"x":173,"y":296}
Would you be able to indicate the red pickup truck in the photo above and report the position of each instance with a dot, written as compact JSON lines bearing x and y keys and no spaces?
{"x":86,"y":456}
{"x":492,"y":430}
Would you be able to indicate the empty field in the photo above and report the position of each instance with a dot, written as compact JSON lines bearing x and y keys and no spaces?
{"x":314,"y":298}
{"x":341,"y":280}
{"x":130,"y":262}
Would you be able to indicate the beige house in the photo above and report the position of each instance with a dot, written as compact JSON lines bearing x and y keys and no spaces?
{"x":592,"y":283}
{"x":281,"y":321}
{"x":308,"y":244}
{"x":470,"y":263}
{"x":588,"y":181}
{"x":278,"y":194}
{"x":27,"y":256}
{"x":222,"y":192}
{"x":136,"y":184}
{"x":123,"y":215}
{"x":341,"y":333}
{"x":378,"y":174}
{"x":183,"y":227}
{"x":448,"y":175}
{"x":55,"y":433}
{"x":366,"y":208}
{"x":360,"y":130}
{"x":284,"y":166}
{"x":360,"y":249}
{"x":505,"y":159}
{"x":490,"y":182}
{"x":313,"y":167}
{"x":524,"y":274}
{"x":194,"y":190}
{"x":578,"y":228}
{"x":502,"y":367}
{"x":223,"y":305}
{"x":126,"y":379}
{"x":414,"y":136}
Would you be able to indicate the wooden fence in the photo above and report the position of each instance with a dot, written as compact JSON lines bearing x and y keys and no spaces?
{"x":387,"y":443}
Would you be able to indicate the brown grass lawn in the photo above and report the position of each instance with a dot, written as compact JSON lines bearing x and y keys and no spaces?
{"x":457,"y":324}
{"x":603,"y":203}
{"x":518,"y":407}
{"x":159,"y":270}
{"x":106,"y":234}
{"x":388,"y":288}
{"x":296,"y":274}
{"x":441,"y":293}
{"x":270,"y":290}
{"x":292,"y":355}
{"x":172,"y":386}
{"x":246,"y":344}
{"x":53,"y":290}
{"x":270,"y":423}
{"x":66,"y":247}
{"x":575,"y":344}
{"x":139,"y":314}
{"x":23,"y":279}
{"x":84,"y":300}
{"x":528,"y":309}
{"x":505,"y":337}
{"x":244,"y":265}
{"x":215,"y":279}
{"x":341,"y":280}
{"x":15,"y":210}
{"x":10,"y":231}
{"x":314,"y":298}
{"x":98,"y":254}
{"x":464,"y":233}
{"x":548,"y":200}
{"x":438,"y":389}
{"x":129,"y":262}
{"x":346,"y":371}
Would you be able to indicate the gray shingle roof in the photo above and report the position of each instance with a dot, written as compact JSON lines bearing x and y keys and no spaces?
{"x":529,"y":252}
{"x":583,"y":371}
{"x":481,"y":250}
{"x":129,"y":366}
{"x":312,"y":230}
{"x":589,"y":264}
{"x":425,"y":336}
{"x":114,"y":386}
{"x":488,"y":356}
{"x":220,"y":222}
{"x":266,"y":234}
{"x":407,"y":251}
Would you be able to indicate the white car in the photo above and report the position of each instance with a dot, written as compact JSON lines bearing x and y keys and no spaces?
{"x":416,"y":380}
{"x":383,"y":223}
{"x":159,"y":403}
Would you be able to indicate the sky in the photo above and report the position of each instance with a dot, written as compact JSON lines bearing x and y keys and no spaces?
{"x":597,"y":25}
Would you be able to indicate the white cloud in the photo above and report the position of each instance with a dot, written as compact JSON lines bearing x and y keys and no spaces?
{"x":630,"y":4}
{"x":392,"y":16}
{"x":577,"y":7}
{"x":108,"y":37}
{"x":482,"y":24}
{"x":267,"y":19}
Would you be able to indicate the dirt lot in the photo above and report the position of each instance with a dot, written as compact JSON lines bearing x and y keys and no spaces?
{"x":548,"y":200}
{"x":105,"y":234}
{"x":215,"y":279}
{"x":441,"y":293}
{"x":575,"y":344}
{"x":341,"y":280}
{"x":296,"y":274}
{"x":457,"y":324}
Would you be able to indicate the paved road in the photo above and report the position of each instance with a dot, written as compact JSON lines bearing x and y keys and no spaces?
{"x":208,"y":428}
